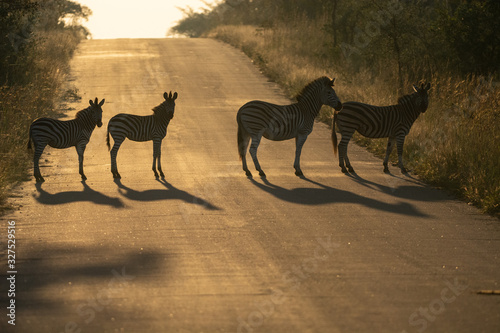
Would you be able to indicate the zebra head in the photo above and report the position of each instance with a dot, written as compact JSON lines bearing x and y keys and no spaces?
{"x":96,"y":111}
{"x":420,"y":97}
{"x":329,"y":97}
{"x":167,"y":108}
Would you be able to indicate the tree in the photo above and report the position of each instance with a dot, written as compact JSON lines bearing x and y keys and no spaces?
{"x":22,"y":20}
{"x":472,"y":33}
{"x":16,"y":26}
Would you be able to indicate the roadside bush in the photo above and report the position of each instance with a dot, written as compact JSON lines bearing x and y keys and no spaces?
{"x":38,"y":40}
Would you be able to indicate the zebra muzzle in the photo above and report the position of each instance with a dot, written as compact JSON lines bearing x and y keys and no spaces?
{"x":338,"y":107}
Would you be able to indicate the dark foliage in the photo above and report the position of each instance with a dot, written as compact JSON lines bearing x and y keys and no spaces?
{"x":415,"y":38}
{"x":21,"y":22}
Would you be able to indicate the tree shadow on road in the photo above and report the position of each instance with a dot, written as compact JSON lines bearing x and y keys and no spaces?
{"x":326,"y":195}
{"x":87,"y":194}
{"x":63,"y":283}
{"x":168,"y":194}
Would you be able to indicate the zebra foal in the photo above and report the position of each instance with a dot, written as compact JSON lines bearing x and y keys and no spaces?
{"x":257,"y":119}
{"x":64,"y":134}
{"x":393,"y":122}
{"x":142,"y":128}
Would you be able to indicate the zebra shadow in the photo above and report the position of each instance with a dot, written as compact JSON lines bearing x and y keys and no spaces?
{"x":169,"y":193}
{"x":87,"y":194}
{"x":407,"y":187}
{"x":328,"y":195}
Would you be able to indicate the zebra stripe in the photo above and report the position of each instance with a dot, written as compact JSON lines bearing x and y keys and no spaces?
{"x":257,"y":119}
{"x":142,"y":128}
{"x":64,"y":134}
{"x":393,"y":122}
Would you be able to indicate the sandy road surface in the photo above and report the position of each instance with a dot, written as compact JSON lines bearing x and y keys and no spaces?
{"x":208,"y":250}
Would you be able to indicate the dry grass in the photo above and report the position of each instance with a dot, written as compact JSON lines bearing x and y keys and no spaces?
{"x":454,"y":145}
{"x":20,"y":105}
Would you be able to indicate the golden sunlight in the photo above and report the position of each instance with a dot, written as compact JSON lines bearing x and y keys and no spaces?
{"x":135,"y":19}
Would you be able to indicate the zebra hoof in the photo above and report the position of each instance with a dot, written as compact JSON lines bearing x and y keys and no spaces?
{"x":350,"y":169}
{"x":344,"y":170}
{"x":117,"y":176}
{"x":386,"y":170}
{"x":299,"y":173}
{"x":84,"y":178}
{"x":40,"y":180}
{"x":404,"y":171}
{"x":262,"y":174}
{"x":248,"y":173}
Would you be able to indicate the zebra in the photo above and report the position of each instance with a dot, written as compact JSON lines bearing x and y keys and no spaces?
{"x":393,"y":122}
{"x":142,"y":128}
{"x":283,"y":122}
{"x":64,"y":134}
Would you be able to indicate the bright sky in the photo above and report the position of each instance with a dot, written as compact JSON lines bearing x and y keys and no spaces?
{"x":135,"y":18}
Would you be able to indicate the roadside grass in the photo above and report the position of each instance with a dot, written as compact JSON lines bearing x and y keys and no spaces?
{"x":454,"y":145}
{"x":21,"y":104}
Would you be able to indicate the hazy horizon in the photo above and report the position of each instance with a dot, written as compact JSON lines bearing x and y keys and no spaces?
{"x":135,"y":19}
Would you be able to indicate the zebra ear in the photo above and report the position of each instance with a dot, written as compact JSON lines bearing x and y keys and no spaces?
{"x":332,"y":82}
{"x":427,"y":86}
{"x":175,"y":96}
{"x":91,"y":102}
{"x":165,"y":95}
{"x":95,"y":102}
{"x":415,"y":88}
{"x":102,"y":102}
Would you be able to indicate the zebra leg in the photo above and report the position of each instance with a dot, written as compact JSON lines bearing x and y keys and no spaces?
{"x":156,"y":155}
{"x":253,"y":151}
{"x":348,"y":163}
{"x":114,"y":153}
{"x":346,"y":137}
{"x":299,"y":143}
{"x":39,"y":147}
{"x":159,"y":160}
{"x":243,"y":140}
{"x":80,"y":149}
{"x":390,"y":146}
{"x":159,"y":167}
{"x":400,"y":143}
{"x":245,"y":166}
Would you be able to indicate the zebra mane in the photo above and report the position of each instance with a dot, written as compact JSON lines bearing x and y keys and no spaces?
{"x":159,"y":108}
{"x":405,"y":99}
{"x":324,"y":80}
{"x":81,"y":113}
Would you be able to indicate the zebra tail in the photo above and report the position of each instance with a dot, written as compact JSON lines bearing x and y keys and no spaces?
{"x":241,"y":139}
{"x":107,"y":141}
{"x":29,"y":140}
{"x":334,"y":134}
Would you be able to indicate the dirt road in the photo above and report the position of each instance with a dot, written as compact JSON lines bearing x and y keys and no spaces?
{"x":208,"y":250}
